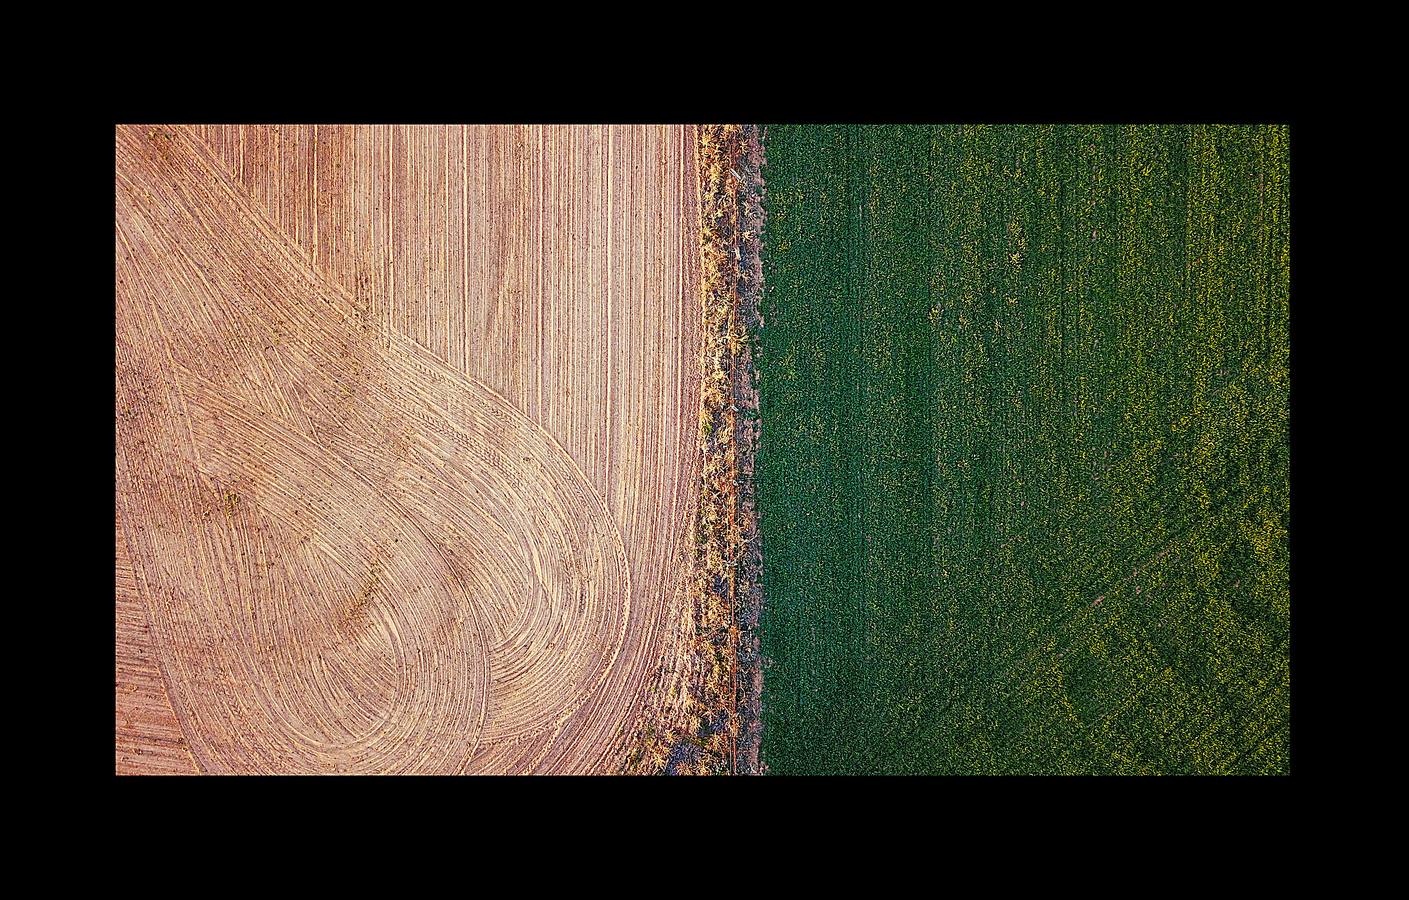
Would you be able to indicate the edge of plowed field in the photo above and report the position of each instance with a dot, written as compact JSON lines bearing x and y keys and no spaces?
{"x":707,"y":716}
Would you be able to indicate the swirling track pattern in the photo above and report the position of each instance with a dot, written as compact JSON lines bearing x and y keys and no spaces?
{"x":354,"y":557}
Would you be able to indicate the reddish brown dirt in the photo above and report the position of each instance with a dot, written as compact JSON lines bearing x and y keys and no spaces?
{"x":406,"y":444}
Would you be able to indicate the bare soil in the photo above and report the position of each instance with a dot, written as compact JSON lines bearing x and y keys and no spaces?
{"x":407,"y":423}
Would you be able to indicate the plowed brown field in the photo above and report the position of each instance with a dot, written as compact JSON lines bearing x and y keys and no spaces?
{"x":406,"y":443}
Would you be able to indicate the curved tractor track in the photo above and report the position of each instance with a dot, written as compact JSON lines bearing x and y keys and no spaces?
{"x":404,"y":451}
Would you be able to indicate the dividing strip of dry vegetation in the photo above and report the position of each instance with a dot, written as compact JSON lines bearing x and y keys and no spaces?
{"x":749,"y":587}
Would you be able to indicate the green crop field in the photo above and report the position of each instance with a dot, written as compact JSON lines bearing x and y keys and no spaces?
{"x":1023,"y":474}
